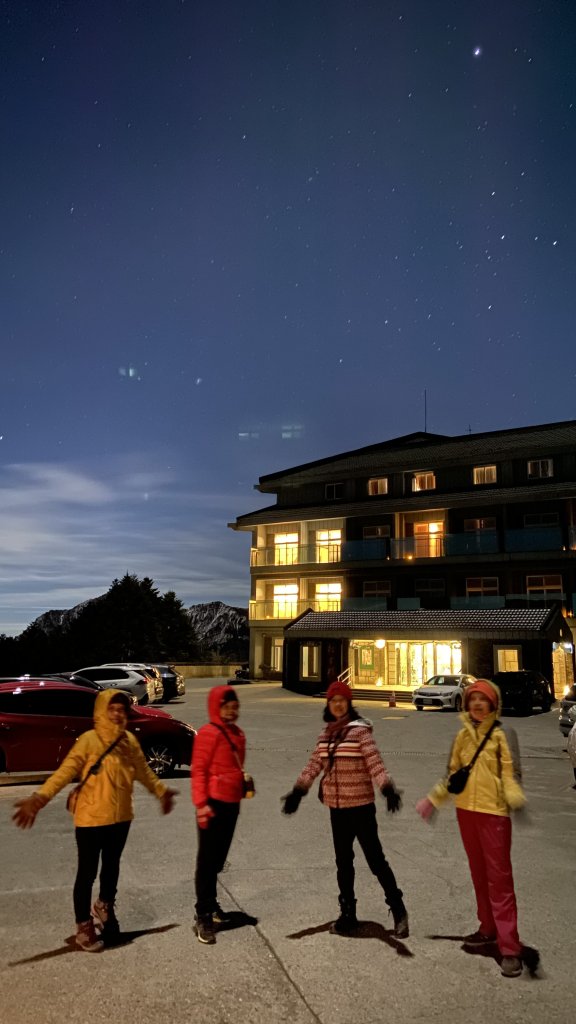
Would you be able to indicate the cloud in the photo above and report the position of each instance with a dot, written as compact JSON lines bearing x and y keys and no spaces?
{"x":66,"y":533}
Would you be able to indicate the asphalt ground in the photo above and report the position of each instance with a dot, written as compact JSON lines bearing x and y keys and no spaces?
{"x":278,"y":962}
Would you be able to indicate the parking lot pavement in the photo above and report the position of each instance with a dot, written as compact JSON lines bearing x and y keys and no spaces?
{"x":287,"y":967}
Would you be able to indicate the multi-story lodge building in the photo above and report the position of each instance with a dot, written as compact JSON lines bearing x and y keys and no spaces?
{"x":420,"y":555}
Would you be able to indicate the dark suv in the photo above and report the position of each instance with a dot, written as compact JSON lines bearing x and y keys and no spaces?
{"x":41,"y":718}
{"x":524,"y":689}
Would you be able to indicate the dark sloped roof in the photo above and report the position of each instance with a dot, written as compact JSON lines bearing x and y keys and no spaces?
{"x":464,"y":621}
{"x":428,"y":451}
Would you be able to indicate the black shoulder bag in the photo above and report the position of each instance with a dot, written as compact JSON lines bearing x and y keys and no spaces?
{"x":249,"y":788}
{"x":73,"y":795}
{"x":458,"y":779}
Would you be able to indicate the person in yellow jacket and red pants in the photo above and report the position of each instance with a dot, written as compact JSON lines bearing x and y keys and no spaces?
{"x":104,"y":810}
{"x":483,"y":811}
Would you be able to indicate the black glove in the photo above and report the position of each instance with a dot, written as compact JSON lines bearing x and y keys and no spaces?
{"x":291,"y":800}
{"x":392,"y":796}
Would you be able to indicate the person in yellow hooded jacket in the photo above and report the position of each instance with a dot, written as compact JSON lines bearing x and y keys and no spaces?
{"x":483,"y":808}
{"x":103,"y":812}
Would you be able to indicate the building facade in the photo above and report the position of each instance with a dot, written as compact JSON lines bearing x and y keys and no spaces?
{"x":479,"y":522}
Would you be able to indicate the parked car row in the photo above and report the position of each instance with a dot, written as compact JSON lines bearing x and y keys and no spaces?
{"x":146,"y":683}
{"x":521,"y":691}
{"x":40,"y":719}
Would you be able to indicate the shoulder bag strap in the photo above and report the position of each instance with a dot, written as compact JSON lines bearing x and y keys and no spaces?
{"x":95,"y":768}
{"x":226,"y":736}
{"x":483,"y":744}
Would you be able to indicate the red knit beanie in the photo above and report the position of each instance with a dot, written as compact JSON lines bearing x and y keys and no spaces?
{"x":339,"y":689}
{"x":481,"y":686}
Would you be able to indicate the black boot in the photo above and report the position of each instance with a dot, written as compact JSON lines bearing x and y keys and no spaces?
{"x":347,"y":922}
{"x":400,"y":915}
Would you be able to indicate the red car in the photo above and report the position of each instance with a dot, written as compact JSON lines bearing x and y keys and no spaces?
{"x":41,"y":718}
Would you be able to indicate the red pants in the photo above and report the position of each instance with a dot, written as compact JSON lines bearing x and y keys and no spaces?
{"x":487,"y":840}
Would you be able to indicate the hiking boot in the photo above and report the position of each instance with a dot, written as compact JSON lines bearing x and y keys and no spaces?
{"x":511,"y":966}
{"x":347,"y":922}
{"x":400,"y":915}
{"x":204,"y":928}
{"x":86,"y":937}
{"x":220,"y":916}
{"x":478,"y":939}
{"x":105,"y":917}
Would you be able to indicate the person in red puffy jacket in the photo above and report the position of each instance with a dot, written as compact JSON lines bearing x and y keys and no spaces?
{"x":217,"y":789}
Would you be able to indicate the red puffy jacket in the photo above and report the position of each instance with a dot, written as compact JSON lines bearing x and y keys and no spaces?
{"x":216,"y":772}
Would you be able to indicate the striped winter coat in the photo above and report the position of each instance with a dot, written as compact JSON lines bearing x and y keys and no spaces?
{"x":351,"y":765}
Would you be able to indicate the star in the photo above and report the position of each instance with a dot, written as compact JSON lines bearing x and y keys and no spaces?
{"x":477,"y":51}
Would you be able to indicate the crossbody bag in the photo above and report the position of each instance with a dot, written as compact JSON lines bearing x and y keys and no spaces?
{"x":249,"y":788}
{"x":73,"y":795}
{"x":458,"y":779}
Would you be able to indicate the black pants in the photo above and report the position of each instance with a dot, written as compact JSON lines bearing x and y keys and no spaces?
{"x":93,"y":841}
{"x":348,"y":824}
{"x":213,"y":845}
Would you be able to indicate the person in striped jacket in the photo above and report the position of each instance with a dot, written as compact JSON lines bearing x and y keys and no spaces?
{"x":351,"y":764}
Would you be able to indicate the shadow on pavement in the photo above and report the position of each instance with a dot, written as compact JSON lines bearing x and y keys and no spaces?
{"x":530,"y":955}
{"x":124,"y":939}
{"x":238,"y":919}
{"x":364,"y":930}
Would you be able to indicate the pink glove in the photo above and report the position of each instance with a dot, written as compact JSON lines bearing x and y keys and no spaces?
{"x":203,"y":815}
{"x":425,"y":808}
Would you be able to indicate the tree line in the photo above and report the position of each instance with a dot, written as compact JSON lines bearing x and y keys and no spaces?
{"x":131,"y":622}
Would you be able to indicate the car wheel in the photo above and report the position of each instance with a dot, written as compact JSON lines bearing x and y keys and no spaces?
{"x":546,"y":702}
{"x":160,"y":757}
{"x":419,"y":707}
{"x":2,"y":762}
{"x":524,"y":706}
{"x":458,"y":702}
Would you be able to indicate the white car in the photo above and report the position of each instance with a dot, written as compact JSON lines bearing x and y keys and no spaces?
{"x":133,"y":681}
{"x":147,"y":669}
{"x":445,"y":691}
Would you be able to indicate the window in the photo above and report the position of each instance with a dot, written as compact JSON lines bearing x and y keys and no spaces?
{"x":481,"y":586}
{"x":378,"y":485}
{"x":285,"y":600}
{"x":474,"y":525}
{"x":285,"y":548}
{"x":328,"y":545}
{"x":333,"y":491}
{"x":310,"y":661}
{"x":484,"y":474}
{"x":423,"y":482}
{"x":375,"y":532}
{"x":328,"y":596}
{"x":538,"y":469}
{"x":429,"y":586}
{"x":507,"y":659}
{"x":541,"y":519}
{"x":376,"y":588}
{"x":544,"y":585}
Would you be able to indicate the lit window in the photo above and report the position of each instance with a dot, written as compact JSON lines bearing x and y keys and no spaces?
{"x":474,"y":525}
{"x":377,"y":588}
{"x":538,"y":469}
{"x":328,"y":545}
{"x":333,"y":491}
{"x":484,"y":474}
{"x":378,"y":485}
{"x":285,"y":548}
{"x":285,"y":600}
{"x":423,"y":482}
{"x":482,"y":586}
{"x":544,"y":585}
{"x":328,"y":597}
{"x":310,"y":661}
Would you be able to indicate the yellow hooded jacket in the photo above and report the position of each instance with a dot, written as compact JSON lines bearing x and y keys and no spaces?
{"x":492,"y":787}
{"x":105,"y":798}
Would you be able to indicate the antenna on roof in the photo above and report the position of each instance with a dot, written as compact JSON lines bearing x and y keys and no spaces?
{"x":425,"y":411}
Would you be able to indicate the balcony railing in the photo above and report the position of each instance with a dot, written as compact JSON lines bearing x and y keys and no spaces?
{"x":287,"y":609}
{"x":480,"y":542}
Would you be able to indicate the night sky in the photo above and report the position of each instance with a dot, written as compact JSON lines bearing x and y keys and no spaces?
{"x":239,"y":235}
